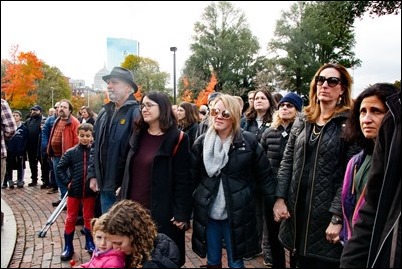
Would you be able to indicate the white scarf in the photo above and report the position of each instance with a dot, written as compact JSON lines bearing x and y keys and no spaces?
{"x":215,"y":152}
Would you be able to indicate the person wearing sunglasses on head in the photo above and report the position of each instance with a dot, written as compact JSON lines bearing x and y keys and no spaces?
{"x":308,"y":193}
{"x":273,"y":141}
{"x":228,"y":165}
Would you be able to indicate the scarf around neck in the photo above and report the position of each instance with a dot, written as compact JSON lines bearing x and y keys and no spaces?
{"x":215,"y":153}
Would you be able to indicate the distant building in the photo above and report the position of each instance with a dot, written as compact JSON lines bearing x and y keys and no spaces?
{"x":99,"y":84}
{"x":118,"y":49}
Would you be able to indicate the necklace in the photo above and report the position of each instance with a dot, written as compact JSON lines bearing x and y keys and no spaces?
{"x":315,"y":134}
{"x":159,"y":133}
{"x":319,"y":130}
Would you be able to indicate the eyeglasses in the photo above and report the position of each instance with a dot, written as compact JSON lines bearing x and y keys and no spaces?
{"x":288,"y":105}
{"x":332,"y":81}
{"x":148,"y":105}
{"x":215,"y":112}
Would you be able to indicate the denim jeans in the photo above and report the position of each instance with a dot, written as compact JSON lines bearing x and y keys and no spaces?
{"x":62,"y":188}
{"x":107,"y":199}
{"x":216,"y":231}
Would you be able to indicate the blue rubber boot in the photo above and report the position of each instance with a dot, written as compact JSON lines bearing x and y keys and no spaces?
{"x":68,"y":247}
{"x":89,"y":241}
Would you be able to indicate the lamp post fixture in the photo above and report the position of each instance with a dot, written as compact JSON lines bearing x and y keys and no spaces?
{"x":174,"y":73}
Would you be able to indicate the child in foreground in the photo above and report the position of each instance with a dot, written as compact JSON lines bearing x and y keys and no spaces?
{"x":104,"y":256}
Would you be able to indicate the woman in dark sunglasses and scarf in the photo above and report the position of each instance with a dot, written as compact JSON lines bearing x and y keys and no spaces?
{"x":310,"y":174}
{"x":228,"y":165}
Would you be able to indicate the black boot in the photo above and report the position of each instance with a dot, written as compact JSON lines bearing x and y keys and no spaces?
{"x":68,"y":247}
{"x":89,"y":242}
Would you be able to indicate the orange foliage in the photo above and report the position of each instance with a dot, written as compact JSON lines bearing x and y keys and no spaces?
{"x":19,"y":84}
{"x":138,"y":94}
{"x":202,"y":98}
{"x":187,"y":96}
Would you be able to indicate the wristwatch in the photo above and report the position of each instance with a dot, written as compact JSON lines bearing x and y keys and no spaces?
{"x":336,"y":220}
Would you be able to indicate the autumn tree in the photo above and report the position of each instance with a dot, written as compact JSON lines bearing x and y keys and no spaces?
{"x":223,"y":43}
{"x":202,"y":98}
{"x":20,"y":80}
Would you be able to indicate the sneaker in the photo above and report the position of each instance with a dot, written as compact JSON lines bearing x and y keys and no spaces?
{"x":51,"y":191}
{"x":12,"y":187}
{"x":32,"y":184}
{"x":4,"y":186}
{"x":44,"y":186}
{"x":267,"y":259}
{"x":20,"y":185}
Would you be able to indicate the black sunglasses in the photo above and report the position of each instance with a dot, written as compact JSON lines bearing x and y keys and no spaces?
{"x":332,"y":81}
{"x":215,"y":112}
{"x":288,"y":105}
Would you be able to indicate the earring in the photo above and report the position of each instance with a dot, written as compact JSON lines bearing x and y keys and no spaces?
{"x":339,"y":101}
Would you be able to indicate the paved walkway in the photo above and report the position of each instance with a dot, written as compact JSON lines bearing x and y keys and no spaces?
{"x":26,"y":212}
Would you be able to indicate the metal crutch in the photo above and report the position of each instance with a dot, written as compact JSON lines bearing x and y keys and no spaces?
{"x":53,"y":216}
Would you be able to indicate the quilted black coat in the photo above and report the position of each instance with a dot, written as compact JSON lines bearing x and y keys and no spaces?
{"x":248,"y":168}
{"x":324,"y":196}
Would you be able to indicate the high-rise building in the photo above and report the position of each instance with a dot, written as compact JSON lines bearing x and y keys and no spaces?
{"x":118,"y":49}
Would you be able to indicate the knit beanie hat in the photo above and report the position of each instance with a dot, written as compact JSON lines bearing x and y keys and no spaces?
{"x":294,"y":99}
{"x":18,"y":112}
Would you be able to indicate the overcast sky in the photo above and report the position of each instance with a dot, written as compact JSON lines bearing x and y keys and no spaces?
{"x":72,"y":35}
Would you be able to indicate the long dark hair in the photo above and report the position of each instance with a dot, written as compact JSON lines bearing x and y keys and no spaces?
{"x":353,"y":130}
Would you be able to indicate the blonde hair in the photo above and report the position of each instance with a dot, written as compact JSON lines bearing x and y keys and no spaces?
{"x":313,"y":110}
{"x":278,"y":121}
{"x":232,"y":105}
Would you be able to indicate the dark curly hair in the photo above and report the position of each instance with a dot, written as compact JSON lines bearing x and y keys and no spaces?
{"x":129,"y":218}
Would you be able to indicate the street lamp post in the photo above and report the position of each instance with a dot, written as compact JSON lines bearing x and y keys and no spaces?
{"x":52,"y":96}
{"x":174,"y":73}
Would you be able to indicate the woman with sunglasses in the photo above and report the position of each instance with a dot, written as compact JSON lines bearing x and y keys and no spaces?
{"x":273,"y":141}
{"x":228,"y":165}
{"x":157,"y":173}
{"x":311,"y":172}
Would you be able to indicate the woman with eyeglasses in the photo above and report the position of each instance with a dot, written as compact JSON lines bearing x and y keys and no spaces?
{"x":157,"y":173}
{"x":273,"y":141}
{"x":311,"y":172}
{"x":228,"y":165}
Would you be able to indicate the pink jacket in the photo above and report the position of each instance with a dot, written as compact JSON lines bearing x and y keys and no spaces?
{"x":107,"y":259}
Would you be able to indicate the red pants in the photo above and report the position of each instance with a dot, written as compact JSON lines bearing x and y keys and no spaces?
{"x":73,"y":206}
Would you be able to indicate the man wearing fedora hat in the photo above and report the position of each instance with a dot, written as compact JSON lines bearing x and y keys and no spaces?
{"x":112,"y":131}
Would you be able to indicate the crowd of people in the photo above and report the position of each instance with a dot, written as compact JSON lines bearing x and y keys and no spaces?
{"x":320,"y":180}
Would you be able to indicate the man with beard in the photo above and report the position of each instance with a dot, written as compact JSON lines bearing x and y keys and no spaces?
{"x":112,"y":131}
{"x":33,"y":147}
{"x":62,"y":137}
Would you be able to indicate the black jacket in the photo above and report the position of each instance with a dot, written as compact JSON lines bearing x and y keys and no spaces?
{"x":376,"y":240}
{"x":324,"y":198}
{"x":111,"y":135}
{"x":248,"y":168}
{"x":171,"y":185}
{"x":165,"y":254}
{"x":72,"y":170}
